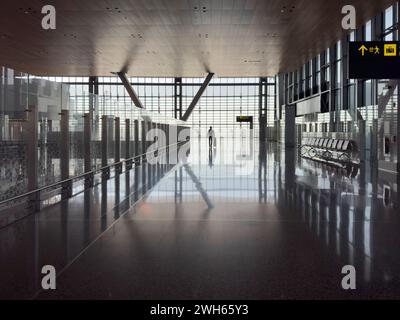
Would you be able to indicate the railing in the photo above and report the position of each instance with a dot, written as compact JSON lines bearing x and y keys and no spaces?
{"x":136,"y":160}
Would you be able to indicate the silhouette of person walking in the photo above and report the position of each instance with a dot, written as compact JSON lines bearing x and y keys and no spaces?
{"x":211,"y":137}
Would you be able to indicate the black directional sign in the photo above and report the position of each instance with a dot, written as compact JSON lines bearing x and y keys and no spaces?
{"x":374,"y":60}
{"x":244,"y":119}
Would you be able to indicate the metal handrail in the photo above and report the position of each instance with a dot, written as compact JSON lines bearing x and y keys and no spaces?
{"x":81,"y":176}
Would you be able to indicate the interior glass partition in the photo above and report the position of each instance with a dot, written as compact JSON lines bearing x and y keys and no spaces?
{"x":55,"y":135}
{"x":13,"y":142}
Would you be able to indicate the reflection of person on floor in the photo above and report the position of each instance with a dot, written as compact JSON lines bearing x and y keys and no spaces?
{"x":211,"y":137}
{"x":211,"y":157}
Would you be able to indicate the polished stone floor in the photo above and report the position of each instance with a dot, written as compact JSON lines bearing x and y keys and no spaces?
{"x":241,"y":221}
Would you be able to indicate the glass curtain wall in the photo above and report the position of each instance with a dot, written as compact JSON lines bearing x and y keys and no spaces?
{"x":223,"y":100}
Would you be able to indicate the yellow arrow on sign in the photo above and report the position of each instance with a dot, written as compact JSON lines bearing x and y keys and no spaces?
{"x":363,"y":49}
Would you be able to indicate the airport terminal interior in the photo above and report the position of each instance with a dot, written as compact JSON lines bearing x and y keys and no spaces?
{"x":196,"y":149}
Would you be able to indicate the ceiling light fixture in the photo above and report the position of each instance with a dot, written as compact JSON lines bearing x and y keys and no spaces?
{"x":252,"y":61}
{"x":203,"y":9}
{"x":27,"y":10}
{"x":286,"y":9}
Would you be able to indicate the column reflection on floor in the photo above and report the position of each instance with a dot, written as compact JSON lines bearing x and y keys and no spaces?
{"x":349,"y":218}
{"x":59,"y":233}
{"x":221,"y":225}
{"x":338,"y":207}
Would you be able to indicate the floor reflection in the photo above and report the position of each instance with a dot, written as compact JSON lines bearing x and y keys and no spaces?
{"x":347,"y":211}
{"x":244,"y":220}
{"x":59,"y":233}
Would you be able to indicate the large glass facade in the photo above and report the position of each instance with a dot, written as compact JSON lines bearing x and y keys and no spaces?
{"x":223,"y":100}
{"x":227,"y":98}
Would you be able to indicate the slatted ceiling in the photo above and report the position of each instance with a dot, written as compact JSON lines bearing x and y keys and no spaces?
{"x":168,"y":38}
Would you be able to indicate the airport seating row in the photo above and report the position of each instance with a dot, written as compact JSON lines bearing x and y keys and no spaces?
{"x":331,"y":151}
{"x":330,"y":144}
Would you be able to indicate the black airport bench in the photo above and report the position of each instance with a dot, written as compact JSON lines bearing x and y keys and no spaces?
{"x":329,"y":150}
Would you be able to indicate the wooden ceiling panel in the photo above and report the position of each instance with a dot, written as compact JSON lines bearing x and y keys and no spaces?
{"x":172,"y":37}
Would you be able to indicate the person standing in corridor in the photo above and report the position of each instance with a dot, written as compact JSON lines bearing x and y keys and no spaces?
{"x":211,"y":137}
